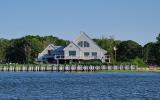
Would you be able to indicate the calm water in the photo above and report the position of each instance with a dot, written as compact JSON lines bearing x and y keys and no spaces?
{"x":79,"y":86}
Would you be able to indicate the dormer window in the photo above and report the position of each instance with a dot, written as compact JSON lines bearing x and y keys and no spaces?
{"x":80,"y":44}
{"x":83,"y":44}
{"x":86,"y":44}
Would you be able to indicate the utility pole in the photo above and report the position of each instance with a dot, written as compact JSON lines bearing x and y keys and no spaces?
{"x":115,"y":53}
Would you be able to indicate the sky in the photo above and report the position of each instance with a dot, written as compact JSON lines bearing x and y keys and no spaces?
{"x":137,"y":20}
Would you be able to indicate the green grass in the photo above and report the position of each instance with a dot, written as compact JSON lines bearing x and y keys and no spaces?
{"x":123,"y":71}
{"x":127,"y":71}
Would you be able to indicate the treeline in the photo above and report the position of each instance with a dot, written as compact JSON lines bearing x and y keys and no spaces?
{"x":26,"y":49}
{"x":131,"y":52}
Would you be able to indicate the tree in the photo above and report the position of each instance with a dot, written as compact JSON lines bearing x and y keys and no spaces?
{"x":128,"y":50}
{"x":149,"y":53}
{"x":108,"y":44}
{"x":26,"y":49}
{"x":4,"y":43}
{"x":157,"y":53}
{"x":152,"y":52}
{"x":158,"y":38}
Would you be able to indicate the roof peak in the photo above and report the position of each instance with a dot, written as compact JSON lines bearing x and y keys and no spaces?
{"x":83,"y":33}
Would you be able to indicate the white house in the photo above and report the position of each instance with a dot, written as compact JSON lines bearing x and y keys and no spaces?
{"x":83,"y":48}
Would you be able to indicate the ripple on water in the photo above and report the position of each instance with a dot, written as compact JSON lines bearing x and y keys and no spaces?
{"x":79,"y":86}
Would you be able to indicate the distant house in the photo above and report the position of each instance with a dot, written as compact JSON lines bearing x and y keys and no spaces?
{"x":83,"y":48}
{"x":49,"y":53}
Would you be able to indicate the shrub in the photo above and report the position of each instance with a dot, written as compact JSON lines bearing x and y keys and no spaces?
{"x":45,"y":62}
{"x":91,"y":62}
{"x":139,"y":62}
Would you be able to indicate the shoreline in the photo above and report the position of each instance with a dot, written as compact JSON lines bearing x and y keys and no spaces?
{"x":97,"y":71}
{"x":123,"y":71}
{"x":75,"y":68}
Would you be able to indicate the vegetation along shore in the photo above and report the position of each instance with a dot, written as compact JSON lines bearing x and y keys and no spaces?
{"x":24,"y":51}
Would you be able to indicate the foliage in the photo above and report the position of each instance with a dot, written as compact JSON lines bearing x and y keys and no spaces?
{"x":108,"y":44}
{"x":128,"y":50}
{"x":26,"y":49}
{"x":157,"y":50}
{"x":139,"y":62}
{"x":158,"y":38}
{"x":90,"y":62}
{"x":152,"y":52}
{"x":157,"y":53}
{"x":3,"y":47}
{"x":149,"y":55}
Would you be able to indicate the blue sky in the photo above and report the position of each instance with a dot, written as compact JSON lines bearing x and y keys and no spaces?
{"x":138,"y":20}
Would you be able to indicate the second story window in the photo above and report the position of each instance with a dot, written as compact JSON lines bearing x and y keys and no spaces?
{"x":80,"y":44}
{"x":86,"y":44}
{"x":83,"y":44}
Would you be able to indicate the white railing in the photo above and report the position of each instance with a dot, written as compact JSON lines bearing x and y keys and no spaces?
{"x":59,"y":57}
{"x":79,"y":57}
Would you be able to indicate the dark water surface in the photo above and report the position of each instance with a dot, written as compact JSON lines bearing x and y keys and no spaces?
{"x":79,"y":86}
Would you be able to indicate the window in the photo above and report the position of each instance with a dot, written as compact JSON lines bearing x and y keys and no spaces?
{"x":72,"y":53}
{"x":94,"y":54}
{"x":86,"y":44}
{"x":80,"y":44}
{"x":86,"y":54}
{"x":83,"y":44}
{"x":49,"y":52}
{"x":43,"y":58}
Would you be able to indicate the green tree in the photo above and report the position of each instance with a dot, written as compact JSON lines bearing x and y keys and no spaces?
{"x":158,"y":38}
{"x":128,"y":50}
{"x":26,"y":49}
{"x":15,"y":52}
{"x":149,"y":53}
{"x":152,"y":52}
{"x":108,"y":44}
{"x":3,"y":46}
{"x":157,"y":53}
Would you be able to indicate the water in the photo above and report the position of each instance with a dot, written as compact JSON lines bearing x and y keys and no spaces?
{"x":79,"y":86}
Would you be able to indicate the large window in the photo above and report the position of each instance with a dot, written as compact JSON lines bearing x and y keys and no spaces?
{"x":72,"y":53}
{"x":94,"y":54}
{"x":83,"y":44}
{"x":86,"y":54}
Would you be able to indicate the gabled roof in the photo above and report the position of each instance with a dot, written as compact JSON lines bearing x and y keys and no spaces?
{"x":73,"y":44}
{"x":84,"y":34}
{"x":50,"y":45}
{"x":59,"y":48}
{"x":53,"y":46}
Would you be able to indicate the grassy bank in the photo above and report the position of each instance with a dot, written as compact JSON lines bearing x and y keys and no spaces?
{"x":127,"y":71}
